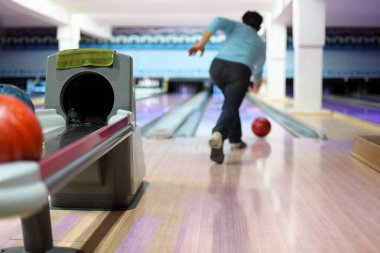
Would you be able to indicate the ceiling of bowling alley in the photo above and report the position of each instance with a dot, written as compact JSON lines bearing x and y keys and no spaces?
{"x":132,"y":13}
{"x":162,"y":12}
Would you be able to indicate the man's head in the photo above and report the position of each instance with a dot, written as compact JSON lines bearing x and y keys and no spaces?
{"x":253,"y":19}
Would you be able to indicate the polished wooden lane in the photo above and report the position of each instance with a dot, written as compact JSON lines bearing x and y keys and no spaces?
{"x":281,"y":194}
{"x":153,"y":107}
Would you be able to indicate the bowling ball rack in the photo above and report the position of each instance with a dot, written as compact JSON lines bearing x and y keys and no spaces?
{"x":71,"y":154}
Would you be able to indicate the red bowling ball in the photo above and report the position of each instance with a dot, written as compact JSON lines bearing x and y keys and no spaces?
{"x":20,"y":131}
{"x":261,"y":127}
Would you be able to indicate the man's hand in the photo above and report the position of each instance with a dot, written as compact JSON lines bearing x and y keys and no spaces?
{"x":254,"y":87}
{"x":197,"y":47}
{"x":200,"y":46}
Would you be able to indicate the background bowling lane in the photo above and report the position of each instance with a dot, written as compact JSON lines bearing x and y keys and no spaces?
{"x":333,"y":124}
{"x":151,"y":108}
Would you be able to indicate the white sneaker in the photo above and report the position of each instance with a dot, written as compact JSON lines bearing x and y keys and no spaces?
{"x":216,"y":140}
{"x":216,"y":145}
{"x":238,"y":145}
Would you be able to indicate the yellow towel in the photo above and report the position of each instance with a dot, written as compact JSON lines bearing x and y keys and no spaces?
{"x":74,"y":58}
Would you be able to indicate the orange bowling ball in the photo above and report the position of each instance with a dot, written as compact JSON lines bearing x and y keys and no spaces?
{"x":20,"y":131}
{"x":261,"y":126}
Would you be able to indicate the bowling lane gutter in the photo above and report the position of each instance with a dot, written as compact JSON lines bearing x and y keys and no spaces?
{"x":295,"y":127}
{"x":167,"y":125}
{"x":190,"y":125}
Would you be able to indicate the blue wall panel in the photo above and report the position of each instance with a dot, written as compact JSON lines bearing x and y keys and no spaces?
{"x":24,"y":63}
{"x":344,"y":64}
{"x":177,"y":63}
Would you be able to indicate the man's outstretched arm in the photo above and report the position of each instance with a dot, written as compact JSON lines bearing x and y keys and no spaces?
{"x":200,"y":46}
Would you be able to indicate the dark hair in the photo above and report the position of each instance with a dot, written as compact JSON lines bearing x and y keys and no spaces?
{"x":252,"y":18}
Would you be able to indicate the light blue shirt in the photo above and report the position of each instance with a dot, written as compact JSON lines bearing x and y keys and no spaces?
{"x":242,"y":45}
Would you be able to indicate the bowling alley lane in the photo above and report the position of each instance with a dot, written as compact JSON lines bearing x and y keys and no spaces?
{"x":362,"y":108}
{"x":153,"y":107}
{"x":281,"y":194}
